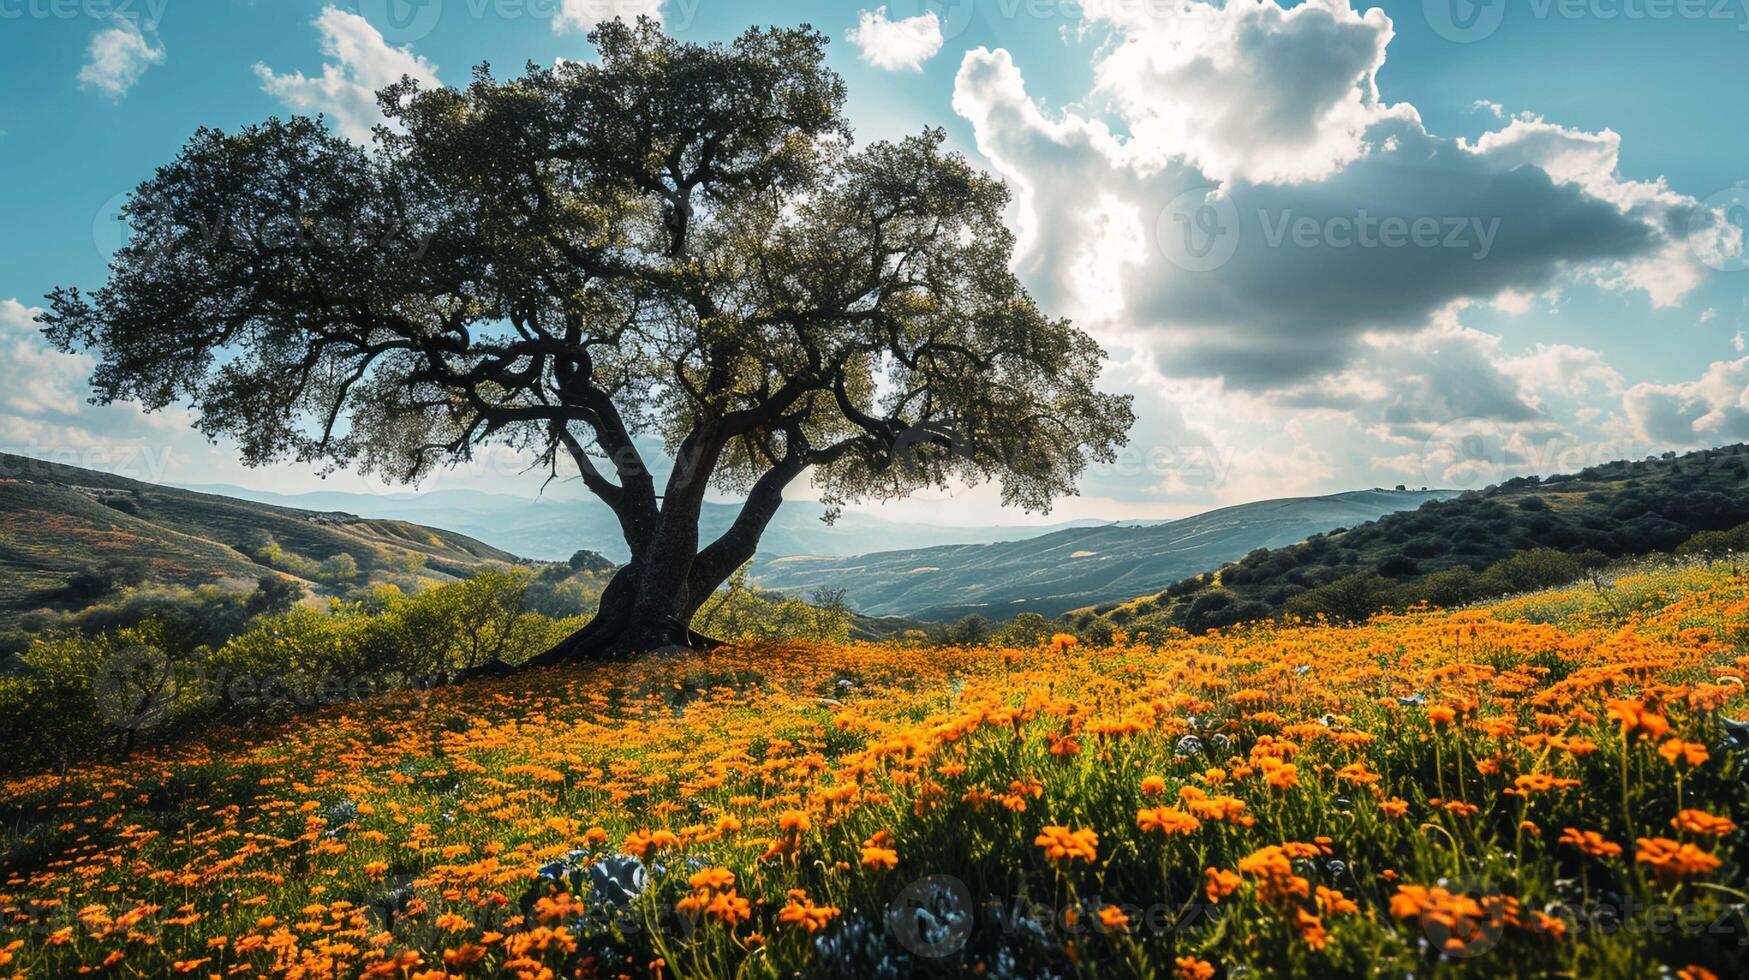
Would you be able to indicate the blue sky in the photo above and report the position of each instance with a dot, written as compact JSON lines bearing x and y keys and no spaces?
{"x":1594,"y":147}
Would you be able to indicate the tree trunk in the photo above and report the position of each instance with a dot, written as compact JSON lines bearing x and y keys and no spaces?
{"x":648,"y":605}
{"x":631,"y":619}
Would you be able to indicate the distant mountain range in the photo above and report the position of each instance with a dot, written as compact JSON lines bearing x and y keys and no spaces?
{"x":1055,"y":572}
{"x":553,"y":528}
{"x":58,"y":520}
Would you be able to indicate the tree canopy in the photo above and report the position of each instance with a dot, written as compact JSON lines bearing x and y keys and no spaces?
{"x":677,"y":246}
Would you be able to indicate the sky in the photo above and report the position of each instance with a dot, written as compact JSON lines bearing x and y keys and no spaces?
{"x":1325,"y":245}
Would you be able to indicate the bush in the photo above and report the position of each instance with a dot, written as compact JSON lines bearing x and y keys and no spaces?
{"x":971,"y":631}
{"x":107,"y":687}
{"x":1426,"y":546}
{"x":274,"y":595}
{"x":1025,"y":630}
{"x":1538,"y":568}
{"x":1352,"y":598}
{"x":1733,"y":541}
{"x":90,"y":584}
{"x":742,"y":613}
{"x":1398,"y":566}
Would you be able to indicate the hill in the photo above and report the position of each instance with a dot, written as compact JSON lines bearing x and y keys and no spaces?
{"x":63,"y":526}
{"x":1522,"y":534}
{"x":1052,"y":573}
{"x":552,"y":527}
{"x":1500,"y":791}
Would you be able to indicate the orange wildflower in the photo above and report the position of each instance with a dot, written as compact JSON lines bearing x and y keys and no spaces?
{"x":1219,"y":884}
{"x":1671,"y":861}
{"x":1591,"y":842}
{"x":1636,"y":718}
{"x":1702,"y":822}
{"x":1676,"y":750}
{"x":1166,"y":820}
{"x":1191,"y":968}
{"x":1063,"y":844}
{"x":805,"y":915}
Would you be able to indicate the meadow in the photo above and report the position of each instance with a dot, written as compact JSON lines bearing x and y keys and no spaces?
{"x":1546,"y":785}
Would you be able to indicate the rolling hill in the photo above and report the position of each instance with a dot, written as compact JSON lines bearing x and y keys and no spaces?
{"x":1522,"y":534}
{"x":59,"y":521}
{"x":1056,"y":572}
{"x":552,"y":527}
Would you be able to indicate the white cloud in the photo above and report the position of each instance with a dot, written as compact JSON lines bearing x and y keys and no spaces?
{"x":1713,"y":408}
{"x":581,"y":15}
{"x":896,"y":45}
{"x":1562,"y":369}
{"x":1248,"y":90}
{"x":117,"y":57}
{"x":44,"y":382}
{"x":346,"y":90}
{"x":1271,"y":118}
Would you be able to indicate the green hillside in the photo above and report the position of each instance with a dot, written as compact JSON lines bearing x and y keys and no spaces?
{"x":62,"y":526}
{"x":1051,"y":573}
{"x":1522,"y":534}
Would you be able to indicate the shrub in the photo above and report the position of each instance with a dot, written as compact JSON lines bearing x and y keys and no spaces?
{"x":1398,"y":566}
{"x":1352,"y":598}
{"x":119,"y":676}
{"x":1025,"y":630}
{"x":971,"y":631}
{"x":743,"y":613}
{"x":1538,"y":568}
{"x":1735,"y":540}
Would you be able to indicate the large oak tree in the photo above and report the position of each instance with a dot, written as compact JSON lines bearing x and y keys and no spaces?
{"x":676,"y":249}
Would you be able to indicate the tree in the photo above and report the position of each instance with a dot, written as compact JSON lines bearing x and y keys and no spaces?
{"x":673,"y":255}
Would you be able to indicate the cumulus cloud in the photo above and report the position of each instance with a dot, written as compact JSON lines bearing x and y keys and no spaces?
{"x":1252,"y":211}
{"x":345,"y":91}
{"x":117,"y":56}
{"x":581,"y":15}
{"x":45,"y":382}
{"x":1563,"y":369}
{"x":1712,"y":409}
{"x":896,"y":45}
{"x":1246,"y":90}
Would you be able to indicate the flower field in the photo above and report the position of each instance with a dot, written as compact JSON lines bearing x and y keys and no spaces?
{"x":1548,"y":785}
